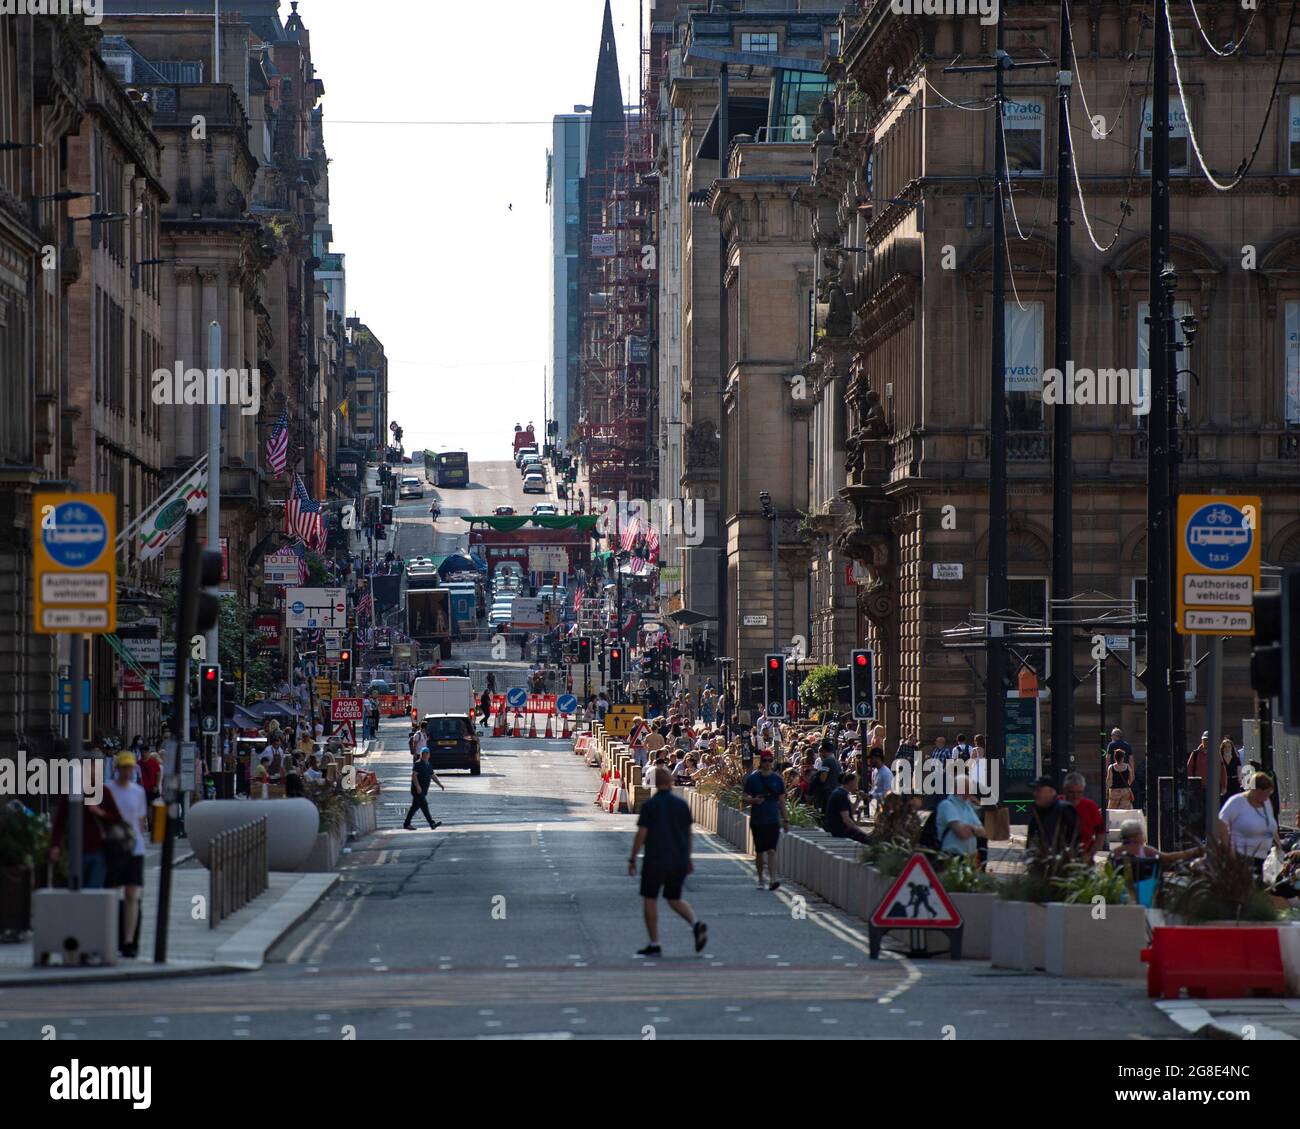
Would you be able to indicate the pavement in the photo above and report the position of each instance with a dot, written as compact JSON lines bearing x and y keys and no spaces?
{"x":194,"y":947}
{"x":517,"y":918}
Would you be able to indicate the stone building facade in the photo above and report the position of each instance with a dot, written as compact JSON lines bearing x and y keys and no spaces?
{"x":908,"y":183}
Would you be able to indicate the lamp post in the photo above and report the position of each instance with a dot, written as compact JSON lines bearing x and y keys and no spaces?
{"x":769,"y":512}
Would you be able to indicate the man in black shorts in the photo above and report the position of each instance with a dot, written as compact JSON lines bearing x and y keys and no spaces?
{"x":664,"y":829}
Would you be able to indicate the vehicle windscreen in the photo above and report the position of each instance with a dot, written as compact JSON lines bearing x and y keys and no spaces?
{"x":445,"y":728}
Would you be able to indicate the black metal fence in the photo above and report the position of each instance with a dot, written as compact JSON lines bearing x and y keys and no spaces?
{"x":238,"y":869}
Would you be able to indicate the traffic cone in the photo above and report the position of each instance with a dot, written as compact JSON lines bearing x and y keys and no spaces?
{"x":517,"y":733}
{"x":532,"y":724}
{"x":550,"y":733}
{"x":499,"y":726}
{"x":567,"y":731}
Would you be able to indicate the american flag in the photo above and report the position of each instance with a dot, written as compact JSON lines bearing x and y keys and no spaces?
{"x":636,"y":564}
{"x":277,"y":446}
{"x":365,"y":606}
{"x":630,"y":533}
{"x":303,"y":573}
{"x":652,"y":543}
{"x":303,"y":518}
{"x":577,"y":599}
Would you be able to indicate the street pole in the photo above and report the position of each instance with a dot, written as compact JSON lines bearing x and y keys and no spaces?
{"x":1160,"y":756}
{"x":214,"y":463}
{"x":1062,"y":437}
{"x":76,"y":792}
{"x":724,"y":137}
{"x":1214,"y":724}
{"x":994,"y":690}
{"x":776,"y":593}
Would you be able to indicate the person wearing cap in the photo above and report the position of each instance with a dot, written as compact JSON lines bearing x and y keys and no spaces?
{"x":1053,"y":824}
{"x":422,"y":775}
{"x":764,"y":795}
{"x":1198,"y":762}
{"x":126,"y":871}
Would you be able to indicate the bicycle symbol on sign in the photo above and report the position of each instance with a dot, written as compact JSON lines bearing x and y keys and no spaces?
{"x":1219,"y":517}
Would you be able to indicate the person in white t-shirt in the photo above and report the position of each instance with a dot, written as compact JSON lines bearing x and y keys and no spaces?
{"x":128,"y":872}
{"x":1247,"y":822}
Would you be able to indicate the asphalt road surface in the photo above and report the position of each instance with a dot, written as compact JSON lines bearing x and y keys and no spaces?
{"x":517,"y":918}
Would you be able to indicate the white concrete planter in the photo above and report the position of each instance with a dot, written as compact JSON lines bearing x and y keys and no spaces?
{"x":977,"y":924}
{"x":363,"y":818}
{"x":1018,"y":935}
{"x":1079,"y":944}
{"x":291,"y":827}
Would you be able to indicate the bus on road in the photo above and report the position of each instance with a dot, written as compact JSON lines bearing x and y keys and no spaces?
{"x":451,"y":468}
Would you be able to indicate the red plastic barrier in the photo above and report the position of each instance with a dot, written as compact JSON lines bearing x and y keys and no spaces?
{"x":1229,"y":962}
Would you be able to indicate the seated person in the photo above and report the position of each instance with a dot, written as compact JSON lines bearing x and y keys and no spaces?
{"x":1141,"y":864}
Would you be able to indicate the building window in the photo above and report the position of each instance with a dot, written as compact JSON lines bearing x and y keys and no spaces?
{"x":1023,"y":124}
{"x":764,"y":41}
{"x":1293,"y":364}
{"x":1181,"y":309}
{"x":801,"y":97}
{"x":1177,"y":134}
{"x":1024,"y":365}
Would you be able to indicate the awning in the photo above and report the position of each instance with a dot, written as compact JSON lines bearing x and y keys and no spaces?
{"x":685,"y":617}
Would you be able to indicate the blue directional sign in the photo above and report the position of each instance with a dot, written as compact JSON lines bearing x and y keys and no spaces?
{"x":566,"y":703}
{"x":1218,"y":536}
{"x":517,"y":697}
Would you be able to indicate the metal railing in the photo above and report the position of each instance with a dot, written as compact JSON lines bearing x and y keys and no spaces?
{"x":238,"y":869}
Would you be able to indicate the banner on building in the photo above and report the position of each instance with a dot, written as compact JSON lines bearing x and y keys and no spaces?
{"x":604,"y":246}
{"x":165,"y":518}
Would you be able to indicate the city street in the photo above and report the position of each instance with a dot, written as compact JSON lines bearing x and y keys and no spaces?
{"x":517,"y":918}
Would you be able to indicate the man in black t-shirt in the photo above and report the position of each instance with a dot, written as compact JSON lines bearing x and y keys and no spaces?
{"x":664,"y":829}
{"x":422,"y":775}
{"x":1053,"y":823}
{"x":839,"y":810}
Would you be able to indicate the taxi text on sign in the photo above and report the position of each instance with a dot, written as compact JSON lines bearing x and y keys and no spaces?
{"x":75,"y":557}
{"x":1218,"y":564}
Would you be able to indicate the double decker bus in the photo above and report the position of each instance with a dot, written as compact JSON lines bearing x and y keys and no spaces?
{"x":450,"y":468}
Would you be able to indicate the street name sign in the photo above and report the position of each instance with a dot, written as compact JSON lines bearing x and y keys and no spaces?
{"x":1218,"y":564}
{"x":75,"y":557}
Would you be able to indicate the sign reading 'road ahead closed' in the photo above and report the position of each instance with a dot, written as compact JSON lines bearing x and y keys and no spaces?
{"x":1218,"y":564}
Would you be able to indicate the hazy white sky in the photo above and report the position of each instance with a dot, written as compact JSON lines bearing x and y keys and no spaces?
{"x":454,"y":281}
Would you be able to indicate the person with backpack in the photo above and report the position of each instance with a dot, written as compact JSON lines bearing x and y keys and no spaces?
{"x":962,"y":750}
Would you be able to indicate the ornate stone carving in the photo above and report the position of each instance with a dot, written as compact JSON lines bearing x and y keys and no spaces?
{"x":702,"y":445}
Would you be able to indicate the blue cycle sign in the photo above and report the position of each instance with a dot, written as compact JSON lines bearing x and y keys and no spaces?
{"x":77,"y":535}
{"x":517,"y":696}
{"x":1219,"y":536}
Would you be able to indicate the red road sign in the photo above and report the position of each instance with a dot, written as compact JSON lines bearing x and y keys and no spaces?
{"x":912,"y":890}
{"x":345,"y":709}
{"x":346,"y":733}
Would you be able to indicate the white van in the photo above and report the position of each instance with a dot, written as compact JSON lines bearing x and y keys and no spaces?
{"x":442,"y":694}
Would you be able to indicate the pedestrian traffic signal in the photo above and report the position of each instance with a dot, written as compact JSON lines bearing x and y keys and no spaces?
{"x":616,"y":664}
{"x":386,"y":515}
{"x":209,"y":698}
{"x":774,"y":689}
{"x":380,"y":535}
{"x":1290,"y":650}
{"x":862,"y":685}
{"x":1266,"y":649}
{"x":345,"y":667}
{"x":584,"y":649}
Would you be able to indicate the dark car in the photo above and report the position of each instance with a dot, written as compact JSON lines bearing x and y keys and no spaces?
{"x":452,"y":742}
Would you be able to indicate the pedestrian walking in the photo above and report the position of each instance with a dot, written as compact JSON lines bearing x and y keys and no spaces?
{"x":664,"y":830}
{"x":764,"y":795}
{"x":485,"y":705}
{"x":422,"y":775}
{"x":125,"y":848}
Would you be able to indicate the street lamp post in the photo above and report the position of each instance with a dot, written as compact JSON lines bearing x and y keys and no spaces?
{"x":769,"y":512}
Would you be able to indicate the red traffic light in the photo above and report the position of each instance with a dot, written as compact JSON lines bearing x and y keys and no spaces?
{"x":861,"y":660}
{"x":615,"y":654}
{"x":345,"y":656}
{"x":210,"y":674}
{"x":773,"y":664}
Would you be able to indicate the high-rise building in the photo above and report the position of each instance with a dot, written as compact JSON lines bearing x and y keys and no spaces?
{"x":565,"y":162}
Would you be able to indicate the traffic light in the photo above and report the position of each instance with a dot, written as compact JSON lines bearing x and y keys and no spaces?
{"x":584,"y":649}
{"x":345,"y":667}
{"x":774,"y":685}
{"x":1266,"y":649}
{"x":209,"y":697}
{"x":386,"y":515}
{"x":862,"y":685}
{"x":616,"y":664}
{"x":1290,"y":648}
{"x":380,"y":534}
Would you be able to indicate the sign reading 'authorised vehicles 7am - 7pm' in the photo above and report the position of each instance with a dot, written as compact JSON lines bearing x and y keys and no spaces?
{"x":1218,"y":564}
{"x":75,"y":556}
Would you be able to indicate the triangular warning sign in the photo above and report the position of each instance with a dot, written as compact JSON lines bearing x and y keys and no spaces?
{"x":347,"y":733}
{"x":916,"y":900}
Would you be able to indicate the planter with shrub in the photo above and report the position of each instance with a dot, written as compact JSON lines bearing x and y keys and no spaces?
{"x":24,"y":845}
{"x":1091,"y":932}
